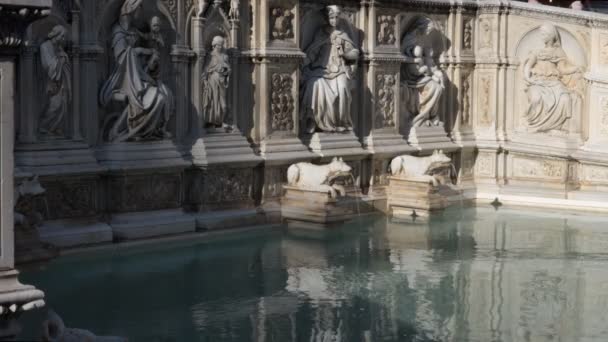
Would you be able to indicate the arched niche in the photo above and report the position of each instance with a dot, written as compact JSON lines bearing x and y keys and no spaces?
{"x":314,"y":19}
{"x":435,"y":40}
{"x":109,"y":15}
{"x":528,"y":44}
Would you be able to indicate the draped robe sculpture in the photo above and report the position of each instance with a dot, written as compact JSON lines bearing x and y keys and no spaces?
{"x":215,"y":80}
{"x":57,"y":69}
{"x":553,"y":85}
{"x":148,"y":103}
{"x":327,"y":73}
{"x":423,"y":81}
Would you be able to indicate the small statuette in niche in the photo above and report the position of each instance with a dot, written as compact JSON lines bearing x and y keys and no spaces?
{"x":282,"y":27}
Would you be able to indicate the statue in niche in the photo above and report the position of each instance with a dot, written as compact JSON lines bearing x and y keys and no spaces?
{"x":423,"y":81}
{"x":234,"y":10}
{"x":216,"y":78}
{"x":56,"y":67}
{"x":553,"y":85}
{"x":134,"y":84}
{"x":326,"y":76}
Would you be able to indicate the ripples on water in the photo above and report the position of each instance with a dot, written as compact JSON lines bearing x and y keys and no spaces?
{"x":469,"y":275}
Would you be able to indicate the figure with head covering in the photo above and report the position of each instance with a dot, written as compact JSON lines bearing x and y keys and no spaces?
{"x":56,"y":67}
{"x":326,"y":78}
{"x":215,"y":80}
{"x":147,"y":104}
{"x":423,"y":80}
{"x":553,"y":85}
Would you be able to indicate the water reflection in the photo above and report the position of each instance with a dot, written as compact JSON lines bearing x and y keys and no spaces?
{"x":472,"y":275}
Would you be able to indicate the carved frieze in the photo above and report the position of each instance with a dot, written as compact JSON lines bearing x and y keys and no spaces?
{"x":485,"y":33}
{"x":144,"y":192}
{"x":385,"y":100}
{"x":594,"y":173}
{"x":282,"y":104}
{"x":70,"y":198}
{"x":538,"y":168}
{"x":386,"y":30}
{"x":228,"y":185}
{"x":486,"y":89}
{"x":466,"y":98}
{"x":485,"y":165}
{"x":282,"y":23}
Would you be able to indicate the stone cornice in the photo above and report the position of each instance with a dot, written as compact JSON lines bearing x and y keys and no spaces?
{"x":15,"y":15}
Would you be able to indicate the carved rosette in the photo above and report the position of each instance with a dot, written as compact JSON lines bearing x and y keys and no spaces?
{"x":385,"y":100}
{"x":281,"y":23}
{"x":282,"y":103}
{"x":386,"y":30}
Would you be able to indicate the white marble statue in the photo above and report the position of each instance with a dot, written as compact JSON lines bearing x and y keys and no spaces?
{"x":553,"y":85}
{"x":216,"y":79}
{"x":234,"y":10}
{"x":54,"y":330}
{"x":146,"y":101}
{"x":429,"y":168}
{"x":312,"y":177}
{"x":202,"y":6}
{"x":423,"y":81}
{"x":56,"y":66}
{"x":326,"y":78}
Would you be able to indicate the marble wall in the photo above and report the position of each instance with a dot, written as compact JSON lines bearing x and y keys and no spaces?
{"x":190,"y":111}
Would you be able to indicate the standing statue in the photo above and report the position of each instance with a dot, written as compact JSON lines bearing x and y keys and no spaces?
{"x":215,"y":80}
{"x":56,"y":66}
{"x":234,"y":10}
{"x":553,"y":85}
{"x":202,"y":6}
{"x":423,"y":81}
{"x":326,"y":78}
{"x":147,"y":102}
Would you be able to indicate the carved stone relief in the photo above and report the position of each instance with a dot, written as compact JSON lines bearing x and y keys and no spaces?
{"x":327,"y":73}
{"x":282,"y":23}
{"x":145,"y":192}
{"x":594,"y":173}
{"x":282,"y":104}
{"x":144,"y":102}
{"x":467,"y":34}
{"x":58,"y":75}
{"x":486,"y":85}
{"x":386,"y":30}
{"x":70,"y":198}
{"x":466,"y":98}
{"x":484,"y":165}
{"x":423,"y":82}
{"x":554,"y":85}
{"x":534,"y":168}
{"x":234,"y":10}
{"x":216,"y":79}
{"x":385,"y":100}
{"x":604,"y":49}
{"x":604,"y":115}
{"x":485,"y":35}
{"x":228,"y":185}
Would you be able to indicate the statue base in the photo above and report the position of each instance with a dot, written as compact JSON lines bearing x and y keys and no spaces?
{"x":335,"y":144}
{"x":430,"y":137}
{"x":387,"y":143}
{"x":131,"y":156}
{"x":284,"y":150}
{"x":224,"y":148}
{"x":15,"y":299}
{"x":312,"y":208}
{"x":411,"y":196}
{"x":60,"y":157}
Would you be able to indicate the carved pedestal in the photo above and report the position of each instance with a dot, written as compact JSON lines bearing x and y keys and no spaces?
{"x":313,"y":209}
{"x":335,"y":144}
{"x":416,"y":197}
{"x":433,"y":137}
{"x":223,"y":148}
{"x":56,"y":157}
{"x":141,"y":155}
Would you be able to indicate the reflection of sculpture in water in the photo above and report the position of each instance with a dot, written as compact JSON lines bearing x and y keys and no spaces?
{"x":553,"y":85}
{"x":424,"y":82}
{"x":326,"y":78}
{"x":215,"y":80}
{"x":147,"y":103}
{"x":56,"y":66}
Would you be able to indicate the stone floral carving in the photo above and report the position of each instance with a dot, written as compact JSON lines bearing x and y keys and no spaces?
{"x":423,"y":82}
{"x":282,"y":102}
{"x":386,"y":30}
{"x":216,"y":78}
{"x":466,"y":99}
{"x":54,"y":330}
{"x":327,"y":73}
{"x":147,"y":104}
{"x":282,"y":23}
{"x":486,"y":86}
{"x":234,"y":10}
{"x":56,"y":66}
{"x":467,"y":35}
{"x":432,"y":168}
{"x":553,"y":85}
{"x":385,"y":103}
{"x":308,"y":176}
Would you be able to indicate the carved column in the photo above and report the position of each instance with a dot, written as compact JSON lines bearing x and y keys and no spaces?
{"x":15,"y":298}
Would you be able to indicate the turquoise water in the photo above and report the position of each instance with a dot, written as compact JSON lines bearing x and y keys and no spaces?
{"x":470,"y":275}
